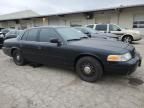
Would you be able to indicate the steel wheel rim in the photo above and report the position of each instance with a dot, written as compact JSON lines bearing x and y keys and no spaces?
{"x":87,"y":69}
{"x":127,"y":39}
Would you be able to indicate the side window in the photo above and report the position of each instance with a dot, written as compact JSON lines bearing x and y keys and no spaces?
{"x":24,"y":37}
{"x":47,"y":34}
{"x":114,"y":28}
{"x":101,"y":27}
{"x":32,"y":35}
{"x":90,"y":26}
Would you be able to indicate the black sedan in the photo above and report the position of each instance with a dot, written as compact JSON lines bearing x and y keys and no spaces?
{"x":96,"y":34}
{"x":68,"y":47}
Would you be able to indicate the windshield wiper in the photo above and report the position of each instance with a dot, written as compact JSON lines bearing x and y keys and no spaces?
{"x":73,"y":39}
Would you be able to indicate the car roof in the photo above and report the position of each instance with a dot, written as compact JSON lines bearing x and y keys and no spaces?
{"x":49,"y":27}
{"x":81,"y":27}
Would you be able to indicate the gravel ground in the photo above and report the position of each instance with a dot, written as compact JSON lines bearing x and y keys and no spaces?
{"x":49,"y":87}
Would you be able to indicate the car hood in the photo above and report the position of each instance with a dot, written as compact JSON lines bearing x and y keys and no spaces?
{"x":103,"y":44}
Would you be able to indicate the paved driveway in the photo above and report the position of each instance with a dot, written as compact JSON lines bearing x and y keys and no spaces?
{"x":49,"y":87}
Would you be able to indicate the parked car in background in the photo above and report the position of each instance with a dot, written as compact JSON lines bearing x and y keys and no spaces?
{"x":124,"y":34}
{"x":1,"y":39}
{"x":65,"y":46}
{"x":8,"y":33}
{"x":6,"y":30}
{"x":95,"y":34}
{"x":1,"y":28}
{"x":13,"y":34}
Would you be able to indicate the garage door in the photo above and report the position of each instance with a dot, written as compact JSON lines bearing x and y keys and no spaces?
{"x":75,"y":22}
{"x":138,"y":22}
{"x":56,"y":22}
{"x":102,"y":19}
{"x":38,"y":22}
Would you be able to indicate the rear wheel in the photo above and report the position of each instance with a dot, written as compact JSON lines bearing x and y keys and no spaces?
{"x":89,"y":69}
{"x":18,"y":58}
{"x":127,"y":39}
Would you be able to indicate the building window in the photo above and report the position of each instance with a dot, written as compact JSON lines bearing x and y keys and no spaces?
{"x":138,"y":24}
{"x":75,"y":23}
{"x":138,"y":21}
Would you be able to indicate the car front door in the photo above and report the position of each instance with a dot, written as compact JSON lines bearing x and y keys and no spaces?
{"x":51,"y":53}
{"x":29,"y":45}
{"x":115,"y":30}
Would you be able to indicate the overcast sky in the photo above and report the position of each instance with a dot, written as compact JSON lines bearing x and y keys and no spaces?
{"x":56,"y":6}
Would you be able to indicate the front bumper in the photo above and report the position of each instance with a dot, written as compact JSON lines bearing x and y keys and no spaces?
{"x":125,"y":67}
{"x":137,"y":37}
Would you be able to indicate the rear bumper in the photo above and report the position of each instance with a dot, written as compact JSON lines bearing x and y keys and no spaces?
{"x":125,"y":67}
{"x":7,"y":51}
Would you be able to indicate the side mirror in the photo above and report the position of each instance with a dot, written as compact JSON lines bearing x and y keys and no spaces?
{"x":56,"y":41}
{"x":88,"y":34}
{"x":118,"y":29}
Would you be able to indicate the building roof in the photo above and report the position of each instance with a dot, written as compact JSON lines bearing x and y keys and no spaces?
{"x":19,"y":15}
{"x":30,"y":14}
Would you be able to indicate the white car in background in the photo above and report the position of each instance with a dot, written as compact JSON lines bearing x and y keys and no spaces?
{"x":125,"y":35}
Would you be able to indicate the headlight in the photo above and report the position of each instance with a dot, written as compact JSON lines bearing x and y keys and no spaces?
{"x":136,"y":33}
{"x":114,"y":58}
{"x":1,"y":35}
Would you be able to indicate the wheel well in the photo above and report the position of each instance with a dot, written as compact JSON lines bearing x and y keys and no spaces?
{"x":127,"y":35}
{"x":87,"y":55}
{"x":13,"y":51}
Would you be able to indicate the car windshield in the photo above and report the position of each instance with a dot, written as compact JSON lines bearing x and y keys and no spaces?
{"x":121,"y":27}
{"x":70,"y":34}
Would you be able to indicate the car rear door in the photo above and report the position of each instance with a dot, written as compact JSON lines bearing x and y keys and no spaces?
{"x":29,"y":45}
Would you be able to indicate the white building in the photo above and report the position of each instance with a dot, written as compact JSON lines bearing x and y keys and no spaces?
{"x":126,"y":16}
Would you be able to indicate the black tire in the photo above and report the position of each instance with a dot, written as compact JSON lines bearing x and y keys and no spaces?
{"x":84,"y":64}
{"x":18,"y":58}
{"x":127,"y":39}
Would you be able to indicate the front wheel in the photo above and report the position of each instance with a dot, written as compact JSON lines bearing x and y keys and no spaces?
{"x":127,"y":39}
{"x":18,"y":59}
{"x":89,"y":69}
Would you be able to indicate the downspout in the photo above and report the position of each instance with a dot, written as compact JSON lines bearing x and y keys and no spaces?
{"x":118,"y":11}
{"x":118,"y":18}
